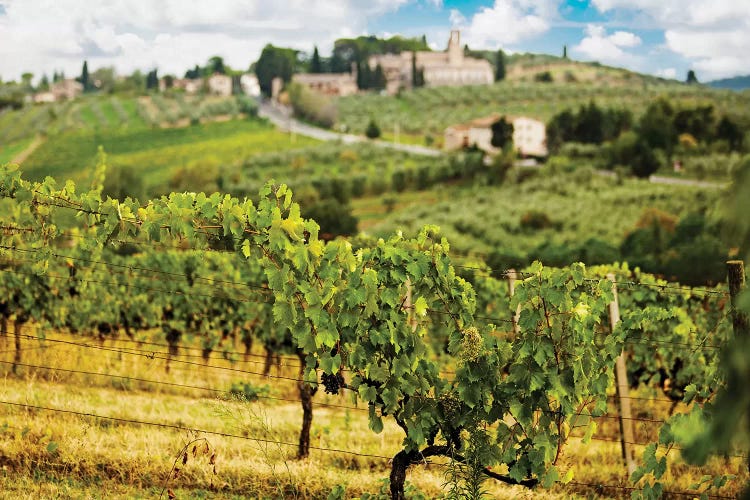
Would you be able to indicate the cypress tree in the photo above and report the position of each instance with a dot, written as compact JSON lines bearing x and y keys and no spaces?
{"x":316,"y":66}
{"x":500,"y":66}
{"x":85,"y":77}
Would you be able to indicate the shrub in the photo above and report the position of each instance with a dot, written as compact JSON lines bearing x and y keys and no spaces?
{"x":544,"y":76}
{"x":248,"y":392}
{"x":333,"y":217}
{"x":535,"y":219}
{"x":372,"y":131}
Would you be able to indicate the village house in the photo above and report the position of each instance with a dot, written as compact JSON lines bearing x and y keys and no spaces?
{"x":41,"y":97}
{"x":250,"y":85}
{"x":189,"y":85}
{"x":529,"y":135}
{"x":219,"y":84}
{"x":449,"y":68}
{"x":58,"y":91}
{"x":339,"y":84}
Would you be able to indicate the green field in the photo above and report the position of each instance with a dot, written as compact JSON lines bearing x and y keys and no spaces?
{"x":155,"y":154}
{"x":580,"y":206}
{"x":10,"y":150}
{"x":105,"y":113}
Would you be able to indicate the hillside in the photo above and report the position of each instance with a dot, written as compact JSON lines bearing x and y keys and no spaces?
{"x":428,"y":111}
{"x":735,"y":83}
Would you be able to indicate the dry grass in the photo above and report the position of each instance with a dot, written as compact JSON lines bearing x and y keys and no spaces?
{"x":98,"y":458}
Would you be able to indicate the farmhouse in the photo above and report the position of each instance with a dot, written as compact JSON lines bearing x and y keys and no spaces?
{"x":41,"y":97}
{"x":340,"y":84}
{"x":249,"y":85}
{"x":64,"y":89}
{"x":451,"y":67}
{"x":529,"y":135}
{"x":190,"y":86}
{"x":219,"y":84}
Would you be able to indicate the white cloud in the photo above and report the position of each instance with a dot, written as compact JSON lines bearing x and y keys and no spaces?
{"x":44,"y":35}
{"x":438,"y":4}
{"x":625,"y":39}
{"x":456,"y":18}
{"x":714,"y":37}
{"x":599,"y":46}
{"x":670,"y":73}
{"x":506,"y":22}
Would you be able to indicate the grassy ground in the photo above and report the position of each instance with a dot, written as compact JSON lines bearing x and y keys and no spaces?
{"x":45,"y":454}
{"x":157,"y":153}
{"x":10,"y":151}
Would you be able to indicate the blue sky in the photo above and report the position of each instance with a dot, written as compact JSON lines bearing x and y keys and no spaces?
{"x":662,"y":37}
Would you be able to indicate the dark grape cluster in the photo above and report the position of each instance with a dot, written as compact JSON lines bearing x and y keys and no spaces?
{"x":332,"y":383}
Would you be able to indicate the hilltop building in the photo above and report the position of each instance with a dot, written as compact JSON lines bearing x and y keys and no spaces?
{"x":250,"y":85}
{"x":219,"y":84}
{"x":340,"y":84}
{"x":189,"y":85}
{"x":451,"y":67}
{"x":529,"y":135}
{"x":58,"y":91}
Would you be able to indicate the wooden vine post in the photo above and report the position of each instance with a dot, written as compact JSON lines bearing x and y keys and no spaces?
{"x":411,"y":318}
{"x":512,"y":276}
{"x":627,"y":436}
{"x":736,"y":279}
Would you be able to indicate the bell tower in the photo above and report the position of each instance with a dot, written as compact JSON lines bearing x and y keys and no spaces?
{"x":455,"y":52}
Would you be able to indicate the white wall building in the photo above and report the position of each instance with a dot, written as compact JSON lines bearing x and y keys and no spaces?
{"x":451,"y":67}
{"x":250,"y":85}
{"x":529,"y":135}
{"x":220,"y":85}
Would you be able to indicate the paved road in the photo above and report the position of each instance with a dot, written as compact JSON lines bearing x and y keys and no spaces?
{"x":282,"y":118}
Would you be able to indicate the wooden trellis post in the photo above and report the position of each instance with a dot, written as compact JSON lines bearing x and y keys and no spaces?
{"x":411,"y":318}
{"x":511,"y":274}
{"x":736,"y":279}
{"x":627,"y":435}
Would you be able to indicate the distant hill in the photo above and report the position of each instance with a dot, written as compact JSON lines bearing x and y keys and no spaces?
{"x":526,"y":67}
{"x":736,"y":83}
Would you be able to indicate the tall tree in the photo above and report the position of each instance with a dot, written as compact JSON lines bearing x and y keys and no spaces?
{"x":364,"y":76}
{"x":85,"y":77}
{"x":378,"y":78}
{"x":152,"y":80}
{"x":316,"y":66}
{"x":502,"y":133}
{"x":417,"y":74}
{"x":691,"y":78}
{"x":275,"y":62}
{"x":216,"y":65}
{"x":656,"y":126}
{"x":500,"y":66}
{"x":729,"y":131}
{"x":26,"y":82}
{"x":565,"y":51}
{"x":44,"y":83}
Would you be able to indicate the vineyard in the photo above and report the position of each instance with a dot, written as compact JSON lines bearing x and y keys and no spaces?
{"x":468,"y":378}
{"x":429,"y":111}
{"x":101,"y":115}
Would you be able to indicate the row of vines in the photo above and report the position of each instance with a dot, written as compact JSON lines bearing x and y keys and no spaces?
{"x":394,"y":322}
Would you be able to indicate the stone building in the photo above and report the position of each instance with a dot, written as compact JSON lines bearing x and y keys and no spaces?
{"x":66,"y":89}
{"x":451,"y":67}
{"x":250,"y":85}
{"x":529,"y":135}
{"x":340,"y":84}
{"x":219,"y":84}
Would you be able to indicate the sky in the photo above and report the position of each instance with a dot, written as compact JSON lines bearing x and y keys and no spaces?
{"x":660,"y":37}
